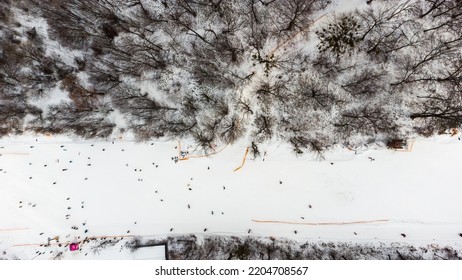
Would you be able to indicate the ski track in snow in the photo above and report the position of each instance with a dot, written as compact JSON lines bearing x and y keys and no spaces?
{"x":58,"y":187}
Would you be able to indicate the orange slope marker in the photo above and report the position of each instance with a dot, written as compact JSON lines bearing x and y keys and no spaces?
{"x":321,"y":224}
{"x":186,"y":157}
{"x":243,"y":160}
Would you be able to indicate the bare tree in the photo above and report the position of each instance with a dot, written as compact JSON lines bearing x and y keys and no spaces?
{"x":145,"y":115}
{"x":263,"y":128}
{"x":294,"y":15}
{"x":367,"y":120}
{"x":436,"y":49}
{"x":366,"y":83}
{"x":85,"y":122}
{"x":440,"y":110}
{"x":388,"y":28}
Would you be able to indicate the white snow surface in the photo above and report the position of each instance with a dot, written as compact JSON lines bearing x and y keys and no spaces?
{"x":136,"y":189}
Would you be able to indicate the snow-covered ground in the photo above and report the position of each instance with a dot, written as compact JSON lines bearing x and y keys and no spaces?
{"x":69,"y":190}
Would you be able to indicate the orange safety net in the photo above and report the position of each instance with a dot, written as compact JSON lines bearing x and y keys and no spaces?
{"x":243,"y":160}
{"x":320,"y":224}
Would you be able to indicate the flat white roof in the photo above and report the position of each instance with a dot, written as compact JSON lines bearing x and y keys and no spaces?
{"x":150,"y":253}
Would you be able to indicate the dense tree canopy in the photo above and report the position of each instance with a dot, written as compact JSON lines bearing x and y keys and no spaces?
{"x":219,"y":71}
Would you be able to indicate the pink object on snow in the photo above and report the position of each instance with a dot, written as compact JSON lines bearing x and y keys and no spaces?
{"x":74,"y":246}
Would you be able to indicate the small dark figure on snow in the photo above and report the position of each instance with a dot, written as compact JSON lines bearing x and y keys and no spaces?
{"x":403,"y":235}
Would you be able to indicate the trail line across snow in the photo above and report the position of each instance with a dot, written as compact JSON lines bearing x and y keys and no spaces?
{"x":295,"y":35}
{"x":78,"y":241}
{"x":322,"y":223}
{"x":13,"y":229}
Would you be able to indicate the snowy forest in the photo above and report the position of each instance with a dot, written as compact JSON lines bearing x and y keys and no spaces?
{"x":221,"y":71}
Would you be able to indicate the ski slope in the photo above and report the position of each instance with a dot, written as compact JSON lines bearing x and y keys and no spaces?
{"x":67,"y":190}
